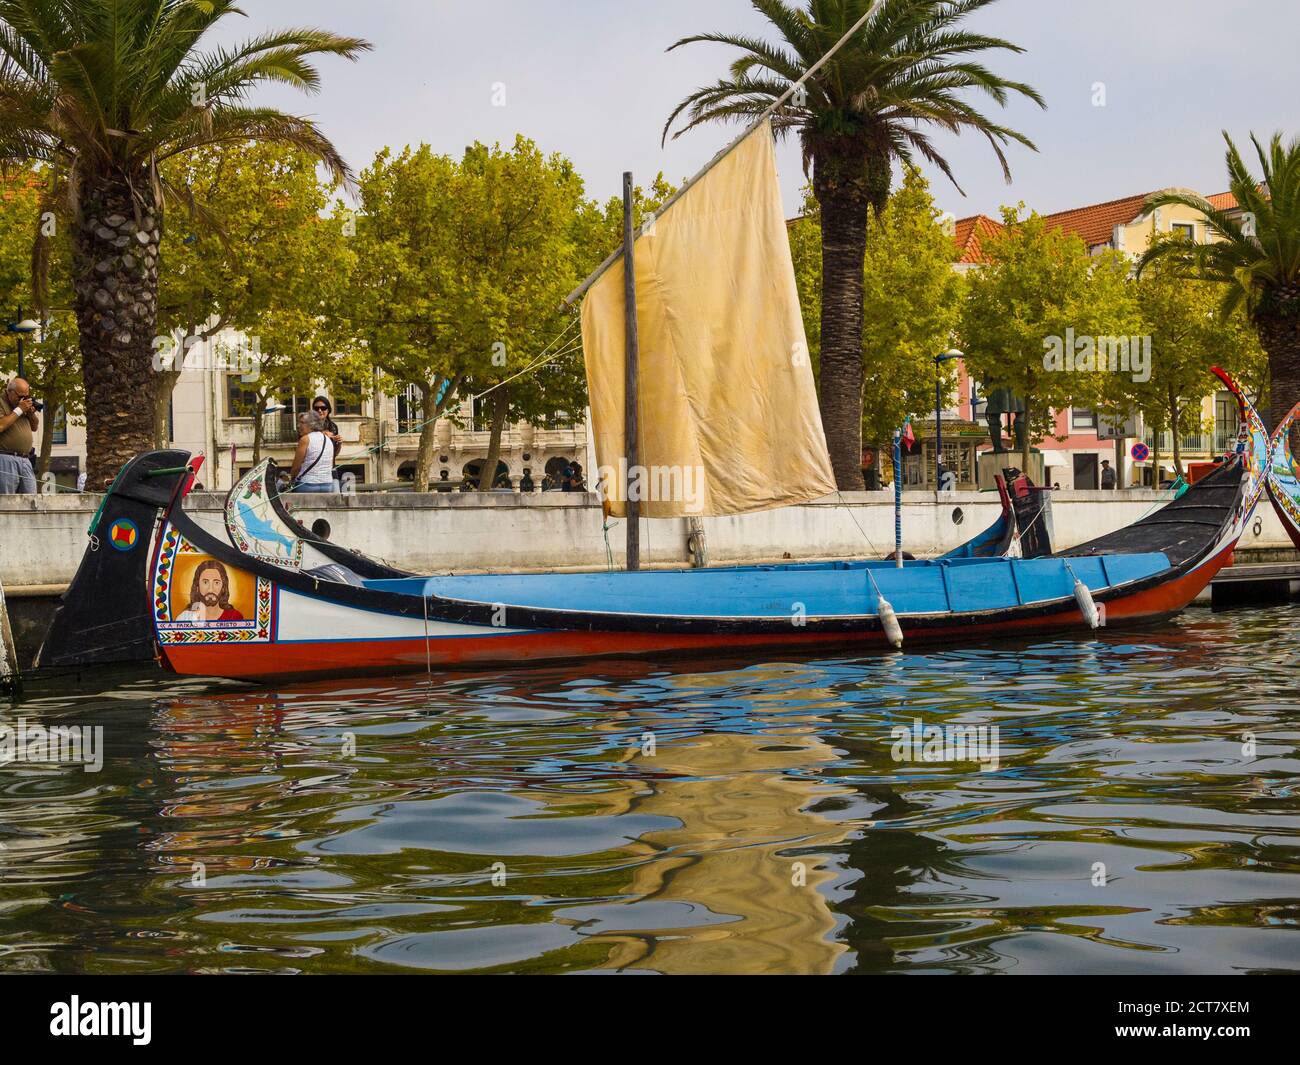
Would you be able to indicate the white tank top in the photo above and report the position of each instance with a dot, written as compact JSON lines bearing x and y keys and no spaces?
{"x":318,"y":463}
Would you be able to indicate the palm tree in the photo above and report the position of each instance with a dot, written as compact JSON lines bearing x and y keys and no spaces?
{"x":105,"y":92}
{"x":871,"y":104}
{"x":1255,"y":254}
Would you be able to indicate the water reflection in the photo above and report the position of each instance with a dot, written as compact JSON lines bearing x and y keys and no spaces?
{"x":727,"y":817}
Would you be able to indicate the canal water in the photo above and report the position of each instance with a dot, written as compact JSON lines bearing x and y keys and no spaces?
{"x":1135,"y":811}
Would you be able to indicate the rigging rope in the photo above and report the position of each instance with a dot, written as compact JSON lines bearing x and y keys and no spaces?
{"x":863,"y":531}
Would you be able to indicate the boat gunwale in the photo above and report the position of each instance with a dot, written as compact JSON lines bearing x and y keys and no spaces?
{"x":478,"y":613}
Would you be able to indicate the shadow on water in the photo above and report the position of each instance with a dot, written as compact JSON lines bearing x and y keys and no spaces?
{"x":716,"y":816}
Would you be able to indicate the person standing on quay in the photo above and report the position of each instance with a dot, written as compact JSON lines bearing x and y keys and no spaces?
{"x":18,"y":423}
{"x":1107,"y":475}
{"x":313,"y":464}
{"x":321,"y":406}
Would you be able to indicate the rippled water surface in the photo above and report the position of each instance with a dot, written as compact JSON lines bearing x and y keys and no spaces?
{"x":684,"y":817}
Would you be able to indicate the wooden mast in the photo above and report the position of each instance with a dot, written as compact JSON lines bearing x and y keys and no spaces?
{"x":630,"y":382}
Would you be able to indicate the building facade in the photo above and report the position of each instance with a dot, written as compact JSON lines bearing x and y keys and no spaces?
{"x":210,"y":415}
{"x":1073,"y":455}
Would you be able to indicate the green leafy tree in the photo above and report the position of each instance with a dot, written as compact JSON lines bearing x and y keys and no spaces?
{"x":1039,"y":289}
{"x":107,"y":92}
{"x":402,"y":299}
{"x":262,"y":260}
{"x":249,"y":252}
{"x":1187,"y":338}
{"x":1254,"y":255}
{"x":517,"y":214}
{"x":462,"y":267}
{"x":51,"y":359}
{"x":904,"y":74}
{"x":301,"y":346}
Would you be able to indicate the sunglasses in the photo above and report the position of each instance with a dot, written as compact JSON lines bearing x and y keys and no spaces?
{"x":321,"y":410}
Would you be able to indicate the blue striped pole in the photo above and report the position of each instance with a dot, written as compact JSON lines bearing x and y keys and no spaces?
{"x":898,"y":499}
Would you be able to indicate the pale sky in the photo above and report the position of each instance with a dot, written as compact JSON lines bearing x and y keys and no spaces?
{"x":591,"y":79}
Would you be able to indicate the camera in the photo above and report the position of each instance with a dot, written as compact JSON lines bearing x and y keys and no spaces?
{"x":37,"y":406}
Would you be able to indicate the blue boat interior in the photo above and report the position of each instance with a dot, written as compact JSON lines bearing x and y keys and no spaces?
{"x":825,"y":589}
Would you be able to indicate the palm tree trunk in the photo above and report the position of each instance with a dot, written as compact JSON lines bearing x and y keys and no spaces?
{"x":488,"y":474}
{"x":1279,"y":335}
{"x":115,"y":271}
{"x":847,"y":185}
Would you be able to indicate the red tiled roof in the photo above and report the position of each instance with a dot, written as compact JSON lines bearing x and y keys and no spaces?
{"x":1094,"y":224}
{"x":969,"y":235}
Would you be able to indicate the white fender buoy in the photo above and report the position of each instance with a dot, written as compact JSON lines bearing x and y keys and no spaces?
{"x":889,"y":622}
{"x":888,"y":619}
{"x":1083,"y":597}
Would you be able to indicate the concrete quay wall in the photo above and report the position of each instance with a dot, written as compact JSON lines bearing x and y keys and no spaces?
{"x":42,"y":538}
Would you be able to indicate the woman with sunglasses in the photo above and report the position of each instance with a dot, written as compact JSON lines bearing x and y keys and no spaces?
{"x":313,"y":462}
{"x":321,"y":406}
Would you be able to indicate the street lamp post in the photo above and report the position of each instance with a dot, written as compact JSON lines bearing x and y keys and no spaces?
{"x":20,"y":328}
{"x":947,"y":356}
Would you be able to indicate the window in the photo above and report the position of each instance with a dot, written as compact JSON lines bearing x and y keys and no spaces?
{"x":1083,"y":419}
{"x":480,"y":420}
{"x":241,"y":401}
{"x":356,"y":472}
{"x":347,"y":404}
{"x":560,"y":419}
{"x":59,"y":427}
{"x":410,"y":406}
{"x":1227,"y":421}
{"x":1184,"y":229}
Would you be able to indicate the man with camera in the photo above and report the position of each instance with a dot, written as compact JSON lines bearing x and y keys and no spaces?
{"x":18,"y":422}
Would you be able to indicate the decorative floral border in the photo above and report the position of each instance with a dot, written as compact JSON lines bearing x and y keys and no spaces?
{"x":248,"y":631}
{"x":254,"y":483}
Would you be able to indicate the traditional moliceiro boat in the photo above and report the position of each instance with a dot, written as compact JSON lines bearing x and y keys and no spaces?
{"x":710,"y":375}
{"x":270,"y":601}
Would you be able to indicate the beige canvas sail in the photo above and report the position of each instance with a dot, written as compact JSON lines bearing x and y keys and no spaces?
{"x":727,"y":408}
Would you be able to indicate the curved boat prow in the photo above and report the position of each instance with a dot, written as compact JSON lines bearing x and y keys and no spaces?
{"x":1253,"y":447}
{"x":106,"y":615}
{"x":259,"y":523}
{"x":1284,"y":477}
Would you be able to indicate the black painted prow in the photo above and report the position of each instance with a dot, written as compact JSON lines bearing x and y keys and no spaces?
{"x":106,"y":613}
